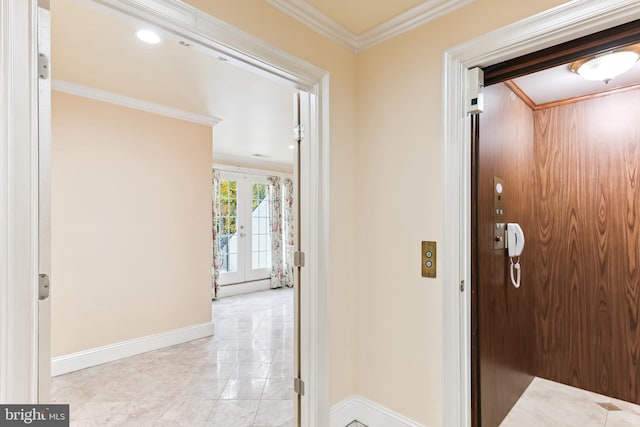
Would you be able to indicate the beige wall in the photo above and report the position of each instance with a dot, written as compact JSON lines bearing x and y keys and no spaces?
{"x":131,"y":224}
{"x":399,"y":184}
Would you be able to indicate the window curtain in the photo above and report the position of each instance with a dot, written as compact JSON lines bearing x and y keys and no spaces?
{"x":215,"y":265}
{"x":275,"y":213}
{"x":289,"y":231}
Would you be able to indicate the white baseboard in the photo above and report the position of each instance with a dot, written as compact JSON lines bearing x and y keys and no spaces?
{"x":244,"y":288}
{"x":367,"y":412}
{"x":108,"y":353}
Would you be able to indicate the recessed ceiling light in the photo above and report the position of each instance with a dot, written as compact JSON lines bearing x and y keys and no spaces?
{"x":606,"y":67}
{"x":291,"y":147}
{"x":148,"y":36}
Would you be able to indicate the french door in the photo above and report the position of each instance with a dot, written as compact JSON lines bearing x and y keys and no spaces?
{"x":244,"y":228}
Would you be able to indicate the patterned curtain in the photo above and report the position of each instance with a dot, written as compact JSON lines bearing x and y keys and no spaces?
{"x":275,"y":213}
{"x":289,"y":232}
{"x":215,"y":265}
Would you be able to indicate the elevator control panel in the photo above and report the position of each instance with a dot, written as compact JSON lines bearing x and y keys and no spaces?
{"x":429,"y":259}
{"x":498,"y":213}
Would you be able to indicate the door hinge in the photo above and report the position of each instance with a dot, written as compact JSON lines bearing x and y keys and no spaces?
{"x":43,"y":286}
{"x":298,"y":259}
{"x":43,"y":66}
{"x":298,"y":386}
{"x":462,"y":286}
{"x":298,"y":133}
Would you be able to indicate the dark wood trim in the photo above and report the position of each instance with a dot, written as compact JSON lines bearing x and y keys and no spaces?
{"x":520,"y":93}
{"x":586,"y":97}
{"x":475,"y":318}
{"x":535,"y":107}
{"x":615,"y":37}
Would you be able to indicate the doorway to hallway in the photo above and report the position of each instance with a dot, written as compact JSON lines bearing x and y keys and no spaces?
{"x":311,"y":170}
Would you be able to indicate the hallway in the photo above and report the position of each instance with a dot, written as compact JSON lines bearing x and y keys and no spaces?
{"x":242,"y":377}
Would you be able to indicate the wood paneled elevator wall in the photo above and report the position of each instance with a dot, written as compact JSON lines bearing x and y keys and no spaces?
{"x":505,"y":314}
{"x":587,"y":295}
{"x":572,"y":180}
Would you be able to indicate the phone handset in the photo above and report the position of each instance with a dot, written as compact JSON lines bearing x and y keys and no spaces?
{"x":515,"y":245}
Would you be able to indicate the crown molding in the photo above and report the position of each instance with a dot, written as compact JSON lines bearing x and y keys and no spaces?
{"x":357,"y":43}
{"x":128,"y":102}
{"x":407,"y":21}
{"x":318,"y":21}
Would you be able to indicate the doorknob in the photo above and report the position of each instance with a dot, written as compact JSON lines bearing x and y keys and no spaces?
{"x":242,"y":234}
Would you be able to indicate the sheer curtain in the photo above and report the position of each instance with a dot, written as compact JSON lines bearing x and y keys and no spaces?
{"x":275,"y":213}
{"x":282,"y":231}
{"x":288,"y":230}
{"x":215,"y":265}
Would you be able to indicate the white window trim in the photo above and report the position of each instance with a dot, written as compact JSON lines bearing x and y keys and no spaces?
{"x":563,"y":23}
{"x":251,"y":171}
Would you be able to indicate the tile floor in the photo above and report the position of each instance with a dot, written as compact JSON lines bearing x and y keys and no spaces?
{"x":547,"y":403}
{"x":242,"y":377}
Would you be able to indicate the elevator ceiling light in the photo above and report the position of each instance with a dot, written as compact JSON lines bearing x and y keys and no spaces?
{"x":606,"y":67}
{"x":148,"y":36}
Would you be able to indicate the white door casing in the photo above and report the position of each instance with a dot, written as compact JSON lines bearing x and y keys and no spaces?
{"x":18,"y":201}
{"x":563,"y":23}
{"x":19,"y":178}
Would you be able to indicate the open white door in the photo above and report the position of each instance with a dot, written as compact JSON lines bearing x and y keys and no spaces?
{"x":298,"y":132}
{"x":44,"y":203}
{"x":302,"y":116}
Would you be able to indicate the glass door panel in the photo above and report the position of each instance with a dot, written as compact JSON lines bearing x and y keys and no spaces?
{"x":260,"y":267}
{"x":227,"y":226}
{"x":244,"y":228}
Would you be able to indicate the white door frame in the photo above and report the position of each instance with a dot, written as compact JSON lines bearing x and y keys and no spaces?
{"x":19,"y":192}
{"x":563,"y":23}
{"x":18,"y":201}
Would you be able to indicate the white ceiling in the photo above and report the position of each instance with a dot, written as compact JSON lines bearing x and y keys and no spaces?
{"x":98,"y":48}
{"x":560,"y":83}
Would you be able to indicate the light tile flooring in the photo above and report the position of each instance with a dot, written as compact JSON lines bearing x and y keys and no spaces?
{"x":242,"y":377}
{"x":547,"y":403}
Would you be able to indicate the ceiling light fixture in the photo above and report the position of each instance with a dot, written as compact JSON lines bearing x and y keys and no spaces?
{"x":148,"y":36}
{"x":606,"y":67}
